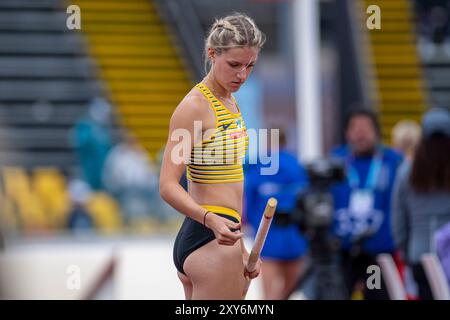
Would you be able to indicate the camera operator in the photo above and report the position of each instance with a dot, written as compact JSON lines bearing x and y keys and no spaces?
{"x":284,"y":247}
{"x":362,"y":201}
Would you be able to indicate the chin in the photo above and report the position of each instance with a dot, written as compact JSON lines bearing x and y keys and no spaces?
{"x":234,"y":88}
{"x":364,"y":151}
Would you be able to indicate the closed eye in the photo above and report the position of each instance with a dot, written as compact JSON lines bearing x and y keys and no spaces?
{"x":238,"y":65}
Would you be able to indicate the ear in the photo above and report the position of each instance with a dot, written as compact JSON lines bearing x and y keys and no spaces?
{"x":211,"y":54}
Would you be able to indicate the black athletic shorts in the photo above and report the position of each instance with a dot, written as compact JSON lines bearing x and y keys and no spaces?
{"x":192,"y":235}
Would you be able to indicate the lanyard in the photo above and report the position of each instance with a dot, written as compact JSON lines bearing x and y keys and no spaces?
{"x":372,"y":176}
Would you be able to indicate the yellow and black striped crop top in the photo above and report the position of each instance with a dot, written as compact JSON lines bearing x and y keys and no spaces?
{"x":218,"y":158}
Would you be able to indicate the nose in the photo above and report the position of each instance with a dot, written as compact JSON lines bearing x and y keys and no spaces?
{"x":242,"y":74}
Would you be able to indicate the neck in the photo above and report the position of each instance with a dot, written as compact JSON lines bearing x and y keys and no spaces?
{"x":365,"y":153}
{"x":215,"y":87}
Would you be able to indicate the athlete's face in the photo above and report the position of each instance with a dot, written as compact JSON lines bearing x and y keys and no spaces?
{"x":232,"y":67}
{"x":361,"y":135}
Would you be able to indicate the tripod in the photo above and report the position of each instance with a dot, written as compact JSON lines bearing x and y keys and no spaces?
{"x":323,"y":280}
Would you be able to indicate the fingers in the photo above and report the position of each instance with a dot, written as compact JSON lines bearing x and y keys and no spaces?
{"x":254,"y":273}
{"x":251,"y":275}
{"x":229,"y":233}
{"x":233,"y":226}
{"x":229,"y":238}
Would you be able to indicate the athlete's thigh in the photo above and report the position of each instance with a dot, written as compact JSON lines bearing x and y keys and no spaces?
{"x":292,"y":269}
{"x":271,"y":272}
{"x":216,"y":271}
{"x":187,"y":285}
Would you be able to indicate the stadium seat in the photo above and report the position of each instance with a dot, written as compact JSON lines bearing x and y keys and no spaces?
{"x":105,"y":212}
{"x":50,"y":186}
{"x":19,"y":191}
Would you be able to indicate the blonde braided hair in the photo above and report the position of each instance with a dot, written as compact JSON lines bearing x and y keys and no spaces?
{"x":234,"y":31}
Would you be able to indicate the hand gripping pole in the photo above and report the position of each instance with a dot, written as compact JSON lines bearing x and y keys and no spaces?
{"x":260,"y":238}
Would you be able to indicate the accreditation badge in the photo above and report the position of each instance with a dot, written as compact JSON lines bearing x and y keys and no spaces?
{"x":361,"y":203}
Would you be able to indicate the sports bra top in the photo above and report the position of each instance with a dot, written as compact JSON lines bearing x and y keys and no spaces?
{"x":219,"y":158}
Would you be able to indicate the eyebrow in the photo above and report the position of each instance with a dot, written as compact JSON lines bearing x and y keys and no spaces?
{"x":237,"y":62}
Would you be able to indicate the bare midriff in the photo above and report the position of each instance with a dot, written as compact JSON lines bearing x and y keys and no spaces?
{"x":228,"y":195}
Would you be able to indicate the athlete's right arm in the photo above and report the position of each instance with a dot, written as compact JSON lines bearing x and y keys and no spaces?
{"x":182,"y":137}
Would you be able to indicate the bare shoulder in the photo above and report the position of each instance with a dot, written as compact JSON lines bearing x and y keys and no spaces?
{"x":194,"y":106}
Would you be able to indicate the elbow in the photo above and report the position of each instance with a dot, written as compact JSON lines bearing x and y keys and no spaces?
{"x":164,"y":188}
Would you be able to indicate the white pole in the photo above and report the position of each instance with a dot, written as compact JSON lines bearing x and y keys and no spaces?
{"x":308,"y":105}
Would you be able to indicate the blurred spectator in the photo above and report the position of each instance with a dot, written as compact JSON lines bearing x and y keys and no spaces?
{"x":79,"y":219}
{"x":421,"y":200}
{"x":406,"y":137}
{"x":130,"y":176}
{"x":91,"y":138}
{"x":285,"y":247}
{"x":433,"y":27}
{"x":436,"y":24}
{"x":362,"y":203}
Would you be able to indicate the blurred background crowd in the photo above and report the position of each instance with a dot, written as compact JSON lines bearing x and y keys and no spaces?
{"x":84,"y":117}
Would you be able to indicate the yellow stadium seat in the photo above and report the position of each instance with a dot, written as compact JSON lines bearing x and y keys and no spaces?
{"x":9,"y":219}
{"x":49,"y":184}
{"x":18,"y":190}
{"x":105,"y":212}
